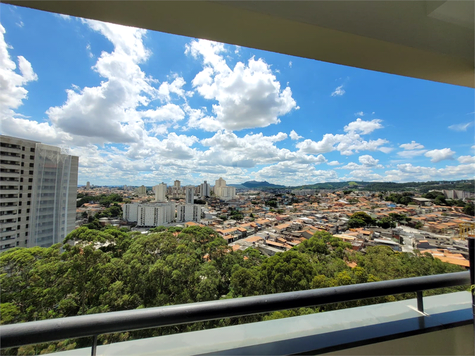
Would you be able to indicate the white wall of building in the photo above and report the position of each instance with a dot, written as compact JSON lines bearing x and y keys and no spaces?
{"x":189,"y":194}
{"x":189,"y":212}
{"x":149,"y":214}
{"x":160,"y":192}
{"x":205,"y":190}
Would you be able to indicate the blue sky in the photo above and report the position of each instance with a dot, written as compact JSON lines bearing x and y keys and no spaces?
{"x":142,"y":107}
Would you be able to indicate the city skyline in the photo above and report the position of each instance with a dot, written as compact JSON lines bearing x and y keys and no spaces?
{"x":142,"y":107}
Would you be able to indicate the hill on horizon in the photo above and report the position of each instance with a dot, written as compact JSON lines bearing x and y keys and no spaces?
{"x":264,"y":184}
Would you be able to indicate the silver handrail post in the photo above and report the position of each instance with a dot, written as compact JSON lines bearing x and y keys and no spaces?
{"x":94,"y":345}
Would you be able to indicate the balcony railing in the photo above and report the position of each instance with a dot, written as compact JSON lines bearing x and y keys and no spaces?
{"x":15,"y":335}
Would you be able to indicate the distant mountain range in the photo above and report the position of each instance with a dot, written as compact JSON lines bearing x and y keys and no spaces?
{"x":256,"y":185}
{"x":466,"y":185}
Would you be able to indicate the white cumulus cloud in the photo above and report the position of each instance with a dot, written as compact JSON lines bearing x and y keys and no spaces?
{"x":247,"y":96}
{"x":13,"y":79}
{"x":440,"y":155}
{"x":460,"y":127}
{"x":368,"y":161}
{"x":412,"y":146}
{"x":466,"y":159}
{"x":363,"y":127}
{"x":114,"y":102}
{"x":349,"y":143}
{"x":339,"y":91}
{"x":294,"y":136}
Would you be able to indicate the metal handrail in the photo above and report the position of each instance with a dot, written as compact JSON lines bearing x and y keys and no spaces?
{"x":35,"y":332}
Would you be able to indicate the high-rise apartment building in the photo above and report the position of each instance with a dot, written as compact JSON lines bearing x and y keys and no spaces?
{"x":88,"y":185}
{"x":222,"y":191}
{"x":227,"y":193}
{"x":205,"y":190}
{"x":188,"y":212}
{"x":176,"y":191}
{"x":141,"y":191}
{"x":38,"y":191}
{"x":189,"y":194}
{"x":160,"y":192}
{"x":148,"y":215}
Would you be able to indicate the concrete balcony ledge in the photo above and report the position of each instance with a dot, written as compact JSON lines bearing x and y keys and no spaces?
{"x":446,"y":328}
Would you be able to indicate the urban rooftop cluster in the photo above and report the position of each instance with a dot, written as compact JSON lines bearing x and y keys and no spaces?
{"x":275,"y":220}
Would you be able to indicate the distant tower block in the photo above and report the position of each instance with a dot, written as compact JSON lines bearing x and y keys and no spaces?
{"x":160,"y":192}
{"x":205,"y":190}
{"x":190,"y":194}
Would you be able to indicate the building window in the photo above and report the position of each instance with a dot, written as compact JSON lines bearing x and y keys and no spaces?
{"x":32,"y":149}
{"x":32,"y":165}
{"x":31,"y":172}
{"x":32,"y":157}
{"x":22,"y":156}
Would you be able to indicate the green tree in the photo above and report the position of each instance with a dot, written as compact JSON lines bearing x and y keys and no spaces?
{"x":355,"y":223}
{"x":361,"y":215}
{"x":469,"y":209}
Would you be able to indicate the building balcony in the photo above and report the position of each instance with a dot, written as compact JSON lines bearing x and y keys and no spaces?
{"x":10,"y":150}
{"x":7,"y":239}
{"x":9,"y":191}
{"x":8,"y":225}
{"x":11,"y":174}
{"x":9,"y":182}
{"x":8,"y":208}
{"x":441,"y":324}
{"x":8,"y":213}
{"x":10,"y":165}
{"x":9,"y":200}
{"x":11,"y":156}
{"x":7,"y":233}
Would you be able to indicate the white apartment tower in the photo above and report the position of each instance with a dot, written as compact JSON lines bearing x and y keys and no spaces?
{"x":189,"y":194}
{"x":160,"y":192}
{"x":189,"y":212}
{"x":220,"y":183}
{"x":222,"y":191}
{"x":205,"y":190}
{"x":228,"y":193}
{"x":176,"y":191}
{"x":38,"y":191}
{"x":141,"y":191}
{"x":88,"y":185}
{"x":149,"y":215}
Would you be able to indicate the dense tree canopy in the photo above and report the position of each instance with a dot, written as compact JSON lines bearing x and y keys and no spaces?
{"x":97,"y":271}
{"x":404,"y":198}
